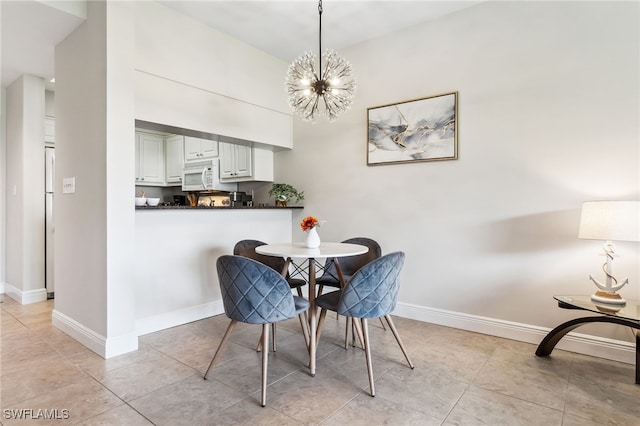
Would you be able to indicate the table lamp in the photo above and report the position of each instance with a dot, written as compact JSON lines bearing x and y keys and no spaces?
{"x":609,"y":221}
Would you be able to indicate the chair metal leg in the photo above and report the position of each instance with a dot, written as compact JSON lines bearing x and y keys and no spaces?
{"x":265,"y":358}
{"x":305,"y":329}
{"x":347,"y":330}
{"x":259,"y":345}
{"x":382,"y":324}
{"x":323,"y":314}
{"x":367,"y":353}
{"x":273,"y":338}
{"x":227,"y":333}
{"x":356,"y":324}
{"x":397,"y":336}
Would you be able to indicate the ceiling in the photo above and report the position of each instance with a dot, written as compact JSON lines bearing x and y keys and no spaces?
{"x":284,"y":29}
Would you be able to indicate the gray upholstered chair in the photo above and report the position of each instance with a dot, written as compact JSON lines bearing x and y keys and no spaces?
{"x":254,"y":293}
{"x":247,"y":248}
{"x":370,"y":293}
{"x":349,"y":264}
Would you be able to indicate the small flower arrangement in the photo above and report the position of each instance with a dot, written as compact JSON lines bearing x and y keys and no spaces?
{"x":309,"y":222}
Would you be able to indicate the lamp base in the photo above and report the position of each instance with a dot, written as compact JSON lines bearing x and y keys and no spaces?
{"x":609,"y":298}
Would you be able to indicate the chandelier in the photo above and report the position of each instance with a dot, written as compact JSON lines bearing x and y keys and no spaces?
{"x":330,"y":90}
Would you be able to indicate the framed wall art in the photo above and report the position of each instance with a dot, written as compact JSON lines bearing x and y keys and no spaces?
{"x":418,"y":130}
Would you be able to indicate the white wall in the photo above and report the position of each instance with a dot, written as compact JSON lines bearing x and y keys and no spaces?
{"x":176,"y":250}
{"x":95,"y":145}
{"x":548,"y":117}
{"x":49,"y":103}
{"x":96,"y":104}
{"x":25,"y":185}
{"x":3,"y":188}
{"x":191,"y":76}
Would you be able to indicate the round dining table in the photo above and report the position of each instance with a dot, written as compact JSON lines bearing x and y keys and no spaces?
{"x":326,"y":250}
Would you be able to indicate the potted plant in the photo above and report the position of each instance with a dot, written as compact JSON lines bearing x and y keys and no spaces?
{"x":283,"y":193}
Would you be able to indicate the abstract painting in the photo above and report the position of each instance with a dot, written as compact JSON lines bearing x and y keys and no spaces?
{"x":417,"y":130}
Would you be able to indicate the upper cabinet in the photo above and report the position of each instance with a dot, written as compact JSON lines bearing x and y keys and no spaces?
{"x":241,"y":163}
{"x":174,"y":159}
{"x":150,"y":167}
{"x":161,"y":157}
{"x":197,"y":149}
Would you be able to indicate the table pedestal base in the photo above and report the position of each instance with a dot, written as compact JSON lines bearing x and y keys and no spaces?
{"x":551,"y":340}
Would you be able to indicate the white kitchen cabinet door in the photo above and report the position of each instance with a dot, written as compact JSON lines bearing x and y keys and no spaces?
{"x":241,"y":163}
{"x":235,"y":162}
{"x":150,"y":159}
{"x":174,"y":159}
{"x":208,"y":148}
{"x":197,"y":149}
{"x":227,"y":160}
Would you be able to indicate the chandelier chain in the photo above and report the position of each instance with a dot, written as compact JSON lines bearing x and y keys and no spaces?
{"x":320,"y":38}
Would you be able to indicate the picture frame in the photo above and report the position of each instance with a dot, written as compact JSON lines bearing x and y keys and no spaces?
{"x":424,"y":129}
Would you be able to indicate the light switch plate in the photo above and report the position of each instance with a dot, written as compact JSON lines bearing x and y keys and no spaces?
{"x":69,"y":185}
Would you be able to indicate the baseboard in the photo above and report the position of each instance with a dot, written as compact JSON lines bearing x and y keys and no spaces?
{"x":25,"y":297}
{"x":1,"y":288}
{"x":106,"y":348}
{"x":600,"y":347}
{"x":175,"y":318}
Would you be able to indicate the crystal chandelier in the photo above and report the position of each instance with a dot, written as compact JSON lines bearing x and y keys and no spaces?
{"x":332,"y":84}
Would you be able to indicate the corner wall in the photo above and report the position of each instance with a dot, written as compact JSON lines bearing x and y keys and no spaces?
{"x":24,"y":160}
{"x":95,"y":234}
{"x":548,"y":117}
{"x":3,"y":188}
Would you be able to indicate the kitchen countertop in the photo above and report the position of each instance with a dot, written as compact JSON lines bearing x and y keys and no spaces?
{"x":161,"y":207}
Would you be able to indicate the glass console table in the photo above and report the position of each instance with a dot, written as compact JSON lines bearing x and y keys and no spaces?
{"x":628,"y":315}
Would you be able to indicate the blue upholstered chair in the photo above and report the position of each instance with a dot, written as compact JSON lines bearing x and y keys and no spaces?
{"x":247,"y":248}
{"x":349,"y":264}
{"x":370,"y":293}
{"x":254,"y":293}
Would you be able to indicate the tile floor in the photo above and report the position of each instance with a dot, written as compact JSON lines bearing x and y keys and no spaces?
{"x":460,"y":378}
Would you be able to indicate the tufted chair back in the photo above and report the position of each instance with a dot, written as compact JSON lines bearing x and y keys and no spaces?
{"x":373,"y":290}
{"x":350,"y":264}
{"x":253,"y":292}
{"x":247,"y":248}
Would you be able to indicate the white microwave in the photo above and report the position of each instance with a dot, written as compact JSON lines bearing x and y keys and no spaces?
{"x":204,"y":175}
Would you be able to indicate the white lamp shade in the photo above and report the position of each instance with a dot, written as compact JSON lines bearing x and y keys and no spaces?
{"x":610,"y":220}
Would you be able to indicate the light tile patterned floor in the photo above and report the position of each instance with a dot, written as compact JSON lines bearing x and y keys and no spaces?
{"x":461,"y":378}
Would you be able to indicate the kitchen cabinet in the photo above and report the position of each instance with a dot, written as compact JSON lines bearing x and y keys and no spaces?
{"x":241,"y":163}
{"x":174,"y":159}
{"x":197,"y":149}
{"x":150,"y":167}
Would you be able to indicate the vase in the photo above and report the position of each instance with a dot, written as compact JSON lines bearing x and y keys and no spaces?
{"x":312,"y":239}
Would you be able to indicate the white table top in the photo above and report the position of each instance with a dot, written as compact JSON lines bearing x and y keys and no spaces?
{"x":298,"y":250}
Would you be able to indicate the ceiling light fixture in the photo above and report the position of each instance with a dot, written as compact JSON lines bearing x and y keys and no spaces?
{"x":334,"y":84}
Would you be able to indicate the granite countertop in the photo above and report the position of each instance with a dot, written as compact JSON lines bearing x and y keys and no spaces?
{"x":258,"y":207}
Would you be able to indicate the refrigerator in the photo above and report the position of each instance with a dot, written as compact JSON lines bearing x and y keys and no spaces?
{"x":49,"y":170}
